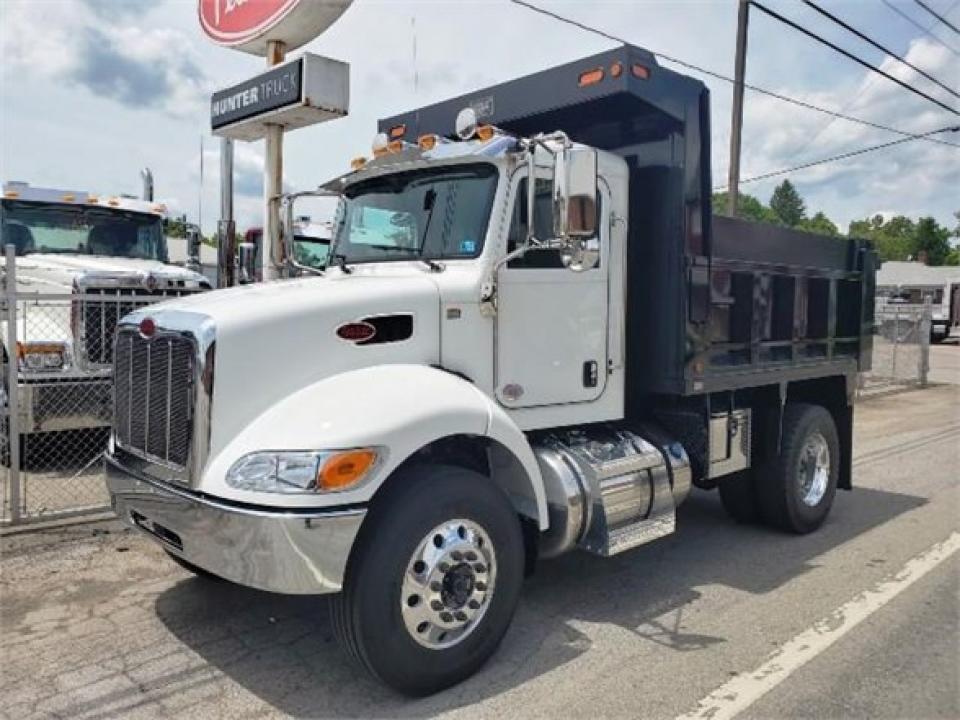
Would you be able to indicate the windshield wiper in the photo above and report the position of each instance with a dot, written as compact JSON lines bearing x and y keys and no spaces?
{"x":342,"y":263}
{"x":429,"y":201}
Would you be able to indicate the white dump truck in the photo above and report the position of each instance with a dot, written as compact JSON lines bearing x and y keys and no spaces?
{"x":532,"y":337}
{"x":81,"y":263}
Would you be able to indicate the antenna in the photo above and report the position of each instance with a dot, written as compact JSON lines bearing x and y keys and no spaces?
{"x":416,"y":75}
{"x":200,"y":193}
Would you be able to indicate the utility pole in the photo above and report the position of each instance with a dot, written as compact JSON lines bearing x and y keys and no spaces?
{"x":271,"y":250}
{"x":736,"y":118}
{"x":226,"y":231}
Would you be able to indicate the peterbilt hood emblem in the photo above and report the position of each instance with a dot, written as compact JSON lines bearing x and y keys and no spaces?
{"x":356,"y":332}
{"x":151,"y":282}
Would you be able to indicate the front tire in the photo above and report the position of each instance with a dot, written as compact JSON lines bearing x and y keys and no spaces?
{"x":433,"y":581}
{"x":796,"y":490}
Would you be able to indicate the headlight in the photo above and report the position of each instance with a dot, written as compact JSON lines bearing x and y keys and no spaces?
{"x":295,"y":471}
{"x":42,"y":355}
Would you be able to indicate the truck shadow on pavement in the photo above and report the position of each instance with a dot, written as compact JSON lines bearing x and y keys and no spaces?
{"x":282,"y":650}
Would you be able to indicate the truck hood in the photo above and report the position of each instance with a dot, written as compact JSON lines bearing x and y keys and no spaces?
{"x":275,"y":338}
{"x":47,"y":272}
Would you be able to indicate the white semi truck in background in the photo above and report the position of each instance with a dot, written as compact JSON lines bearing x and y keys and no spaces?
{"x":81,"y":263}
{"x":532,"y":337}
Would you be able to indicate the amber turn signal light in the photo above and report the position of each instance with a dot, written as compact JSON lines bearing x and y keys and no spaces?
{"x":345,"y":469}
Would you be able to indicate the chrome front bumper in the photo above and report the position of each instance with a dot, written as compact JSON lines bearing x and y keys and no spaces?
{"x":297,"y":553}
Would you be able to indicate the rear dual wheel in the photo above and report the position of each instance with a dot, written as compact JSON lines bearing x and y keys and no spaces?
{"x":794,"y":491}
{"x":434,"y":579}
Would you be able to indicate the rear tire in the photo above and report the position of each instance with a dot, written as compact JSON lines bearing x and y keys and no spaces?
{"x":739,"y":497}
{"x":796,"y":490}
{"x":411,"y":623}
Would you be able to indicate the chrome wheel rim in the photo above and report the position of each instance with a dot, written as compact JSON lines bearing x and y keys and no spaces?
{"x":448,"y":584}
{"x":814,"y":471}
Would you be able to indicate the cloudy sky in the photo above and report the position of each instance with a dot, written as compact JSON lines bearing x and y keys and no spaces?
{"x":93,"y":90}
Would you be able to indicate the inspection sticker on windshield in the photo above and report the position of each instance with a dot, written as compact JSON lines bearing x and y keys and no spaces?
{"x":468,"y":246}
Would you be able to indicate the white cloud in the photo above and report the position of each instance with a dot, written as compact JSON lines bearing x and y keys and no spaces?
{"x":107,"y":53}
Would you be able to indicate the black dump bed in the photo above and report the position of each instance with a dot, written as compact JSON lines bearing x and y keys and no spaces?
{"x":714,"y":303}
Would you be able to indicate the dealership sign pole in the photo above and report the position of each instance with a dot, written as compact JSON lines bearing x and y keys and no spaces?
{"x":301,"y":92}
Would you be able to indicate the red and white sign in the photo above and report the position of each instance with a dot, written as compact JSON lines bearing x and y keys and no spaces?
{"x":249,"y":24}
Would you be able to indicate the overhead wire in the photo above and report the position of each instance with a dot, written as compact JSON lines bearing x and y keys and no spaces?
{"x":938,"y":17}
{"x":849,"y":28}
{"x":851,"y":56}
{"x":863,"y":89}
{"x":841,"y":156}
{"x":727,"y":78}
{"x":926,"y":31}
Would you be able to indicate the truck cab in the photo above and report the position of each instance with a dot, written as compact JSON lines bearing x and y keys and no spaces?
{"x":80,"y":263}
{"x":531,"y":337}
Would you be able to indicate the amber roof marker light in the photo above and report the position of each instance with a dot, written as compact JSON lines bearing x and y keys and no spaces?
{"x":590,"y":77}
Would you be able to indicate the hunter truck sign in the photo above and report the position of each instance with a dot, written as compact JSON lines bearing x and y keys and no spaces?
{"x":295,"y":94}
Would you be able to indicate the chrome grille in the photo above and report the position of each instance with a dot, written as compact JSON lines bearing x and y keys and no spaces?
{"x":99,"y":318}
{"x":154,"y":395}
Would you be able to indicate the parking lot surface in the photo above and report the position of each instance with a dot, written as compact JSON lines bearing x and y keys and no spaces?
{"x":97,"y":622}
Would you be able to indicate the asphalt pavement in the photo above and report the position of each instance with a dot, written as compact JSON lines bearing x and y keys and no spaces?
{"x":96,"y":622}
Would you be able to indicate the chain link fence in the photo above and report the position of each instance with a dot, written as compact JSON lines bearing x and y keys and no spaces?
{"x":901,"y":347}
{"x":56,"y":397}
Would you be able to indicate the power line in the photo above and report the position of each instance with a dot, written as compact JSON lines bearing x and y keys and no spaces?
{"x":909,"y":137}
{"x":868,"y":84}
{"x":938,"y":17}
{"x":848,"y":54}
{"x":842,"y":156}
{"x":727,"y":78}
{"x":878,"y":46}
{"x":925,"y":31}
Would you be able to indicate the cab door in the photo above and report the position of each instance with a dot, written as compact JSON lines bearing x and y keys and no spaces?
{"x":551,"y":329}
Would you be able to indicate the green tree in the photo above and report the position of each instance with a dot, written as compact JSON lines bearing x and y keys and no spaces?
{"x":893,"y":238}
{"x":176,"y":227}
{"x":931,"y":239}
{"x":787,"y":204}
{"x":748,"y":208}
{"x":820,"y":224}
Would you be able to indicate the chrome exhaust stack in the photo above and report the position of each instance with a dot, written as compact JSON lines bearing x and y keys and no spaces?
{"x":609,"y":488}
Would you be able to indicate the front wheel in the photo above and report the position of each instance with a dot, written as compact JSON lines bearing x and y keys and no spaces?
{"x":434,"y":579}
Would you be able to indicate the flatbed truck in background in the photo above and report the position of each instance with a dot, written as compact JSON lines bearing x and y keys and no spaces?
{"x":532,"y":337}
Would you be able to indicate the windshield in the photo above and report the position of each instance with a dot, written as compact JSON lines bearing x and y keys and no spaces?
{"x":42,"y":228}
{"x":435,"y":213}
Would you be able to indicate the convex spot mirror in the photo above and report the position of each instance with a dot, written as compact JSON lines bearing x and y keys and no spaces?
{"x":575,"y":207}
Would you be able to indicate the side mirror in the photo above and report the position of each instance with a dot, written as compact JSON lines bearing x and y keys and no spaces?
{"x":575,"y":207}
{"x":194,"y":240}
{"x":248,"y":263}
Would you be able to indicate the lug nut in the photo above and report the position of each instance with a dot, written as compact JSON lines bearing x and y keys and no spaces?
{"x":461,"y":616}
{"x":436,"y":605}
{"x":480,"y":567}
{"x":471,"y":556}
{"x":456,"y":555}
{"x":481,"y":586}
{"x":436,"y":586}
{"x":444,"y":567}
{"x":446,"y":617}
{"x":473,"y":604}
